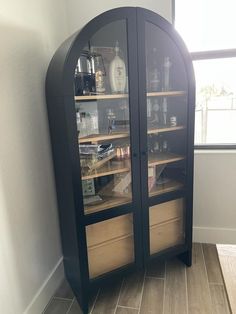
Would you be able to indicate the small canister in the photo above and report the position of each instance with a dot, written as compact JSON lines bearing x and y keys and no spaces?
{"x":173,"y":121}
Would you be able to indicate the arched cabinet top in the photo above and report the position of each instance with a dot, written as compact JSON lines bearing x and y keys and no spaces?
{"x":60,"y":75}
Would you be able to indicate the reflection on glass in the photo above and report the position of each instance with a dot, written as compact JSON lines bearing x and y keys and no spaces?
{"x":102,"y":116}
{"x":166,"y":113}
{"x":215,"y":101}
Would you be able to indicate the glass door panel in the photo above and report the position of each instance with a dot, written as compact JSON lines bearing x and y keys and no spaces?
{"x":103,"y":119}
{"x":110,"y":244}
{"x":166,"y":112}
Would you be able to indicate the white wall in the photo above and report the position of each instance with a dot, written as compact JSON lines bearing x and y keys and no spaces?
{"x":79,"y":14}
{"x":30,"y":32}
{"x":30,"y":260}
{"x":215,"y":196}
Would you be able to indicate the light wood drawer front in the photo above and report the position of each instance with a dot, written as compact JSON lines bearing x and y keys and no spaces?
{"x":166,"y":235}
{"x":109,"y":229}
{"x":110,"y":255}
{"x":163,"y":212}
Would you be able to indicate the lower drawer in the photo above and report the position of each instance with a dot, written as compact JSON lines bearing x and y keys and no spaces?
{"x":165,"y":235}
{"x":110,"y":255}
{"x":109,"y":229}
{"x":166,"y":211}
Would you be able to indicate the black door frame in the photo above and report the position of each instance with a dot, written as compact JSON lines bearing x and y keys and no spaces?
{"x":144,"y":16}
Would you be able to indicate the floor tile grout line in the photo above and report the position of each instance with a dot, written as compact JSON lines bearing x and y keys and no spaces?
{"x":204,"y":262}
{"x":47,"y":305}
{"x":216,"y":284}
{"x":164,"y":291}
{"x":153,"y":277}
{"x":186,"y":290}
{"x":127,"y":307}
{"x":93,"y":306}
{"x":72,"y":301}
{"x":118,"y":299}
{"x":141,"y":298}
{"x":64,"y":299}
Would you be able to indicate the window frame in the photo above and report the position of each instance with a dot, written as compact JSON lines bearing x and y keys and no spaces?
{"x":208,"y":55}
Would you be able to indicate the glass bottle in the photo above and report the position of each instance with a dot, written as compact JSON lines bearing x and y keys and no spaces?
{"x":111,"y":120}
{"x":99,"y":76}
{"x":154,"y":72}
{"x":164,"y":111}
{"x":117,"y":72}
{"x":78,"y":122}
{"x":83,"y":124}
{"x":167,"y":66}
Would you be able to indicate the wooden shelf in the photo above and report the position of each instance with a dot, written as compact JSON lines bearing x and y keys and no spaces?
{"x":102,"y":137}
{"x":168,"y":93}
{"x":165,"y":129}
{"x":106,"y":203}
{"x":108,"y":169}
{"x":163,"y":158}
{"x":170,"y":186}
{"x":121,"y":96}
{"x":110,"y":198}
{"x":100,"y":97}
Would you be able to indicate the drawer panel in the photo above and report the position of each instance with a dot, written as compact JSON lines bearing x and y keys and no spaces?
{"x":166,"y":211}
{"x":109,"y":229}
{"x":110,"y":255}
{"x":165,"y":235}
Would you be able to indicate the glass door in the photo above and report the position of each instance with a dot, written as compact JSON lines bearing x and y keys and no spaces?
{"x":165,"y":134}
{"x":166,"y":107}
{"x":104,"y":118}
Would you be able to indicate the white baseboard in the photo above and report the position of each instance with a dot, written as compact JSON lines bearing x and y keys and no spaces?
{"x":46,"y":291}
{"x":214,"y":235}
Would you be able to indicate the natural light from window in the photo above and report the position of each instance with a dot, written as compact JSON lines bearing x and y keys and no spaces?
{"x":205,"y":26}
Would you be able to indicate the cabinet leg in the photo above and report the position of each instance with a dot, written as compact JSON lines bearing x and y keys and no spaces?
{"x":82,"y":306}
{"x":186,"y":258}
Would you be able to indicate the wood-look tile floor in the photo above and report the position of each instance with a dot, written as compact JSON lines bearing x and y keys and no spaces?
{"x":164,"y":288}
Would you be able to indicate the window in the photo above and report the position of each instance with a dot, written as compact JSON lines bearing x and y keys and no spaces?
{"x":207,"y":27}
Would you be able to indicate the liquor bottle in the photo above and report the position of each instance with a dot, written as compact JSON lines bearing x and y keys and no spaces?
{"x":78,"y":121}
{"x":164,"y":110}
{"x":154,"y":73}
{"x":167,"y":66}
{"x":117,"y":72}
{"x":99,"y":77}
{"x":111,"y":120}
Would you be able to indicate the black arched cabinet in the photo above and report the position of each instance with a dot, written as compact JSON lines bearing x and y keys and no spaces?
{"x":120,"y":96}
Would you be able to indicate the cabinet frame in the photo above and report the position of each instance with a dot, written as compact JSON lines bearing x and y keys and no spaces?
{"x":65,"y":149}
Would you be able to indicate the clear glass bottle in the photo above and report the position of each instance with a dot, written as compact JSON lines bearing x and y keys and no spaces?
{"x":164,"y":110}
{"x":78,"y":121}
{"x":167,"y":66}
{"x":99,"y":76}
{"x":111,"y":120}
{"x":154,"y":72}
